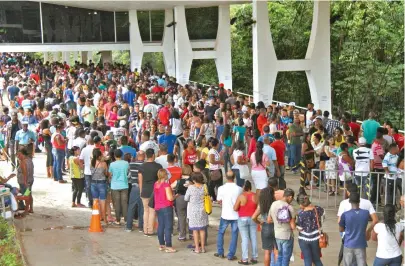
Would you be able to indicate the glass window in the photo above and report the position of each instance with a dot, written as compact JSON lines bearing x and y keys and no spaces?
{"x":202,"y":23}
{"x":20,"y":22}
{"x":122,"y":26}
{"x":158,"y":25}
{"x":107,"y":26}
{"x":143,"y":22}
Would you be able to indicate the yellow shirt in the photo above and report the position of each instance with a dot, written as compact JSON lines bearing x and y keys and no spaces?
{"x":337,"y":143}
{"x":204,"y":150}
{"x":74,"y":168}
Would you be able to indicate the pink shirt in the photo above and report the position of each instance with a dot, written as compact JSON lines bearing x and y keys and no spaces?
{"x":161,"y":201}
{"x":260,"y":166}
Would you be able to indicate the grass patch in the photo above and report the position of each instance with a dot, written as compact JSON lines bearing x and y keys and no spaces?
{"x":9,"y":248}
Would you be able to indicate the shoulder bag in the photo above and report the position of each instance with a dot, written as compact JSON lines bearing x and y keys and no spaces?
{"x":207,"y":201}
{"x":323,"y":237}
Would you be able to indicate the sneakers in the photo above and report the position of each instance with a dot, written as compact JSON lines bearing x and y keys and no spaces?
{"x":128,"y":230}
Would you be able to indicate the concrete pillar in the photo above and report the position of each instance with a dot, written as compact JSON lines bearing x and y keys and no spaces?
{"x":84,"y":57}
{"x":55,"y":56}
{"x":264,"y":55}
{"x":46,"y":57}
{"x":90,"y":56}
{"x":223,"y":59}
{"x":75,"y":56}
{"x":168,"y":44}
{"x":66,"y":57}
{"x":319,"y":75}
{"x":184,"y":52}
{"x":135,"y":41}
{"x":106,"y":56}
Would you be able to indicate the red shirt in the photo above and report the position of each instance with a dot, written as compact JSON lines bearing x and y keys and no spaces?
{"x":158,"y":89}
{"x":190,"y":157}
{"x":101,"y":147}
{"x":378,"y":151}
{"x":184,"y":113}
{"x":279,"y":147}
{"x":261,"y":121}
{"x":252,"y":147}
{"x":176,"y":173}
{"x":35,"y":77}
{"x":399,"y":139}
{"x":355,"y":129}
{"x":164,"y":115}
{"x":159,"y":191}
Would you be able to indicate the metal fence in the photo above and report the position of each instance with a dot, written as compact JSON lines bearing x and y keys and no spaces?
{"x":378,"y":187}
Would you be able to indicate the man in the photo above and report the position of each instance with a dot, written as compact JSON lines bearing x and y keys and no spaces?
{"x":135,"y":193}
{"x":85,"y":160}
{"x":282,"y":214}
{"x":355,"y":128}
{"x":325,"y":118}
{"x":13,"y":127}
{"x":390,"y":168}
{"x":151,"y":107}
{"x":80,"y":141}
{"x":364,"y":159}
{"x":25,"y":138}
{"x":147,"y":176}
{"x":210,"y":110}
{"x":332,"y":124}
{"x":13,"y":91}
{"x":271,"y":154}
{"x":129,"y":96}
{"x":89,"y":112}
{"x":174,"y":170}
{"x":69,"y":99}
{"x":162,"y":158}
{"x":127,"y":149}
{"x":124,"y":112}
{"x":181,"y":144}
{"x":227,"y":195}
{"x":261,"y":120}
{"x":279,"y":146}
{"x":164,"y":114}
{"x":369,"y":128}
{"x":168,"y":139}
{"x":295,"y":142}
{"x":353,"y":223}
{"x":266,"y":133}
{"x":147,"y":143}
{"x":310,"y":115}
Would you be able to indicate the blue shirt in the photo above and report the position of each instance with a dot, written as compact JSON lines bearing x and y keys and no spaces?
{"x":119,"y":172}
{"x":168,"y":140}
{"x":68,"y":94}
{"x":355,"y":224}
{"x":128,"y":149}
{"x":31,"y":120}
{"x":241,"y":130}
{"x":271,"y":137}
{"x":161,"y":83}
{"x":23,"y":137}
{"x":220,"y":130}
{"x":129,"y":97}
{"x":13,"y":92}
{"x":370,"y":130}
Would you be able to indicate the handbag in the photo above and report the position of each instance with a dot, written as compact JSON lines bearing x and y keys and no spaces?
{"x":310,"y":163}
{"x":323,"y":237}
{"x":207,"y":201}
{"x":151,"y":203}
{"x":215,"y":175}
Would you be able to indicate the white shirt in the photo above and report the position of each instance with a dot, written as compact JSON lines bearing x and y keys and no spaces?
{"x":177,"y":128}
{"x":388,"y":246}
{"x":85,"y":155}
{"x":362,"y":156}
{"x":151,"y":108}
{"x":150,"y":144}
{"x":228,"y":193}
{"x":345,"y":206}
{"x":70,"y":134}
{"x":308,"y":117}
{"x":79,"y":142}
{"x":273,"y":128}
{"x":236,"y":154}
{"x":96,"y":99}
{"x":162,"y":160}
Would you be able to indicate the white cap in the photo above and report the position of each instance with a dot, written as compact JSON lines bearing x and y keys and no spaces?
{"x":362,"y":141}
{"x":123,"y":123}
{"x":56,"y":106}
{"x":291,"y":104}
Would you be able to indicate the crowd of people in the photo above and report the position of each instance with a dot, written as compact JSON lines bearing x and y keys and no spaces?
{"x":150,"y":149}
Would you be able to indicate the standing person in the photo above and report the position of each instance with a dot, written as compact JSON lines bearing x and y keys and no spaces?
{"x":168,"y":139}
{"x":147,"y":176}
{"x":85,"y":162}
{"x":309,"y":224}
{"x":354,"y":225}
{"x":196,"y":214}
{"x":246,"y":205}
{"x":345,"y":164}
{"x":89,"y":112}
{"x":239,"y":160}
{"x":307,"y":161}
{"x":58,"y":151}
{"x":376,"y":178}
{"x":295,"y":132}
{"x":25,"y":175}
{"x":259,"y":161}
{"x":135,"y":194}
{"x":76,"y":176}
{"x":369,"y":128}
{"x":390,"y":167}
{"x":227,"y":195}
{"x":279,"y":146}
{"x":388,"y":234}
{"x":98,"y":186}
{"x":13,"y":127}
{"x":163,"y":197}
{"x":331,"y":165}
{"x":215,"y":163}
{"x":118,"y":171}
{"x":364,"y":164}
{"x":47,"y":135}
{"x":226,"y":140}
{"x":189,"y":155}
{"x":274,"y":170}
{"x":25,"y":138}
{"x":282,"y":214}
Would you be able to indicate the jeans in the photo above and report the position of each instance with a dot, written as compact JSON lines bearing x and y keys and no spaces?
{"x":311,"y":252}
{"x":239,"y":181}
{"x":165,"y":227}
{"x":181,"y":209}
{"x":354,"y":255}
{"x":120,"y":202}
{"x":295,"y":154}
{"x":149,"y":216}
{"x":289,"y":155}
{"x":58,"y":156}
{"x":223,"y":224}
{"x":285,"y":250}
{"x":362,"y":183}
{"x":281,"y":181}
{"x":87,"y":179}
{"x":247,"y":229}
{"x":375,"y":182}
{"x":392,"y":187}
{"x":12,"y":152}
{"x":135,"y":199}
{"x":397,"y":261}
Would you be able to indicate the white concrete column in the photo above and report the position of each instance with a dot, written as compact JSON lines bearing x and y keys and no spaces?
{"x":90,"y":55}
{"x":106,"y":56}
{"x":84,"y":57}
{"x":223,"y":58}
{"x":75,"y":56}
{"x":168,"y":44}
{"x":135,"y":41}
{"x":184,"y":52}
{"x":46,"y":57}
{"x":319,"y":75}
{"x":264,"y":55}
{"x":55,"y":56}
{"x":66,"y":57}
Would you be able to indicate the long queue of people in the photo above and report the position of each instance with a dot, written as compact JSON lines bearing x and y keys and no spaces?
{"x":155,"y":149}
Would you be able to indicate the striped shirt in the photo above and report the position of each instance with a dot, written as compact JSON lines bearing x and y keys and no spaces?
{"x":390,"y":161}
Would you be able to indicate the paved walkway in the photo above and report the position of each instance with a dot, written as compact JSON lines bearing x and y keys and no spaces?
{"x":56,"y":234}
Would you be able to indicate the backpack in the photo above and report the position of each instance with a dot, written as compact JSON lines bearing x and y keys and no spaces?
{"x":283,"y":214}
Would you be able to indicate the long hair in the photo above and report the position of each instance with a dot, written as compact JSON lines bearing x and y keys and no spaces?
{"x":96,"y":155}
{"x":389,"y":218}
{"x":266,"y":198}
{"x":259,"y":153}
{"x":227,"y":131}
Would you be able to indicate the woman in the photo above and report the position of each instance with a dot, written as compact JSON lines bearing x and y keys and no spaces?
{"x":307,"y":161}
{"x":138,"y":126}
{"x":202,"y":148}
{"x":259,"y":162}
{"x":200,"y":109}
{"x":238,"y":159}
{"x":197,"y":217}
{"x":309,"y":224}
{"x":226,"y":140}
{"x":339,"y":138}
{"x":267,"y":233}
{"x":331,"y":165}
{"x":215,"y":163}
{"x":176,"y":124}
{"x":163,"y":198}
{"x":58,"y":151}
{"x":345,"y":164}
{"x":246,"y":205}
{"x":189,"y":156}
{"x":99,"y":174}
{"x":76,"y":176}
{"x":180,"y":188}
{"x":46,"y":135}
{"x":118,"y":171}
{"x":112,"y":116}
{"x":239,"y":131}
{"x":25,"y":177}
{"x":389,"y":235}
{"x":207,"y":129}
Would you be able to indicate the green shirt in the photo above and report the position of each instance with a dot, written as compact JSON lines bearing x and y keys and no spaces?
{"x":370,"y":130}
{"x":91,"y":110}
{"x":295,"y":139}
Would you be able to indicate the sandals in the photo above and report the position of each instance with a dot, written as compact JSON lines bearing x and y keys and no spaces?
{"x":219,"y":255}
{"x":243,"y":262}
{"x":253,"y":261}
{"x":232,"y":258}
{"x":162,"y":248}
{"x":195,"y":251}
{"x":170,"y":250}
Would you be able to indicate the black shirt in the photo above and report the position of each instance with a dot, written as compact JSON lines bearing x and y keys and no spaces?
{"x":14,"y":128}
{"x":210,"y":111}
{"x":134,"y":168}
{"x":149,"y":172}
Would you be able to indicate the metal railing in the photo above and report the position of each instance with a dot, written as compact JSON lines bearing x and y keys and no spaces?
{"x":377,"y":187}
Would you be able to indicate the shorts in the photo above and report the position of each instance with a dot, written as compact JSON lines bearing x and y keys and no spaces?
{"x":99,"y":191}
{"x":260,"y":178}
{"x":71,"y":105}
{"x":268,"y":237}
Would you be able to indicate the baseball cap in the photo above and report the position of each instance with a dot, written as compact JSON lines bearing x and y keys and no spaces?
{"x":221,"y":85}
{"x":24,"y":122}
{"x":362,"y":140}
{"x":123,"y":123}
